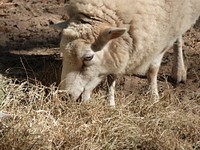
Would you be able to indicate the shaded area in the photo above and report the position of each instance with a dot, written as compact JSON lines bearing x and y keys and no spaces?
{"x":34,"y":68}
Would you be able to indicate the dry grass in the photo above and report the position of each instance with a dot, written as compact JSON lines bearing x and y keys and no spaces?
{"x":42,"y":119}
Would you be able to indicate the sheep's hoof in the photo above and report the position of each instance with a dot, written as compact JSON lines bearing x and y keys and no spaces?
{"x":155,"y":98}
{"x":179,"y":76}
{"x":111,"y":99}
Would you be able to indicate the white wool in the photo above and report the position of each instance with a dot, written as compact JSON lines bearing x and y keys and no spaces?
{"x":153,"y":25}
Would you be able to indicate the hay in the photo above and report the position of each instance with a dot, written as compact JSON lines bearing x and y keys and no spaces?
{"x":42,"y":119}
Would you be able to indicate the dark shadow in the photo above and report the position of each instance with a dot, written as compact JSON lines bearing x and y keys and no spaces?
{"x":170,"y":80}
{"x":197,"y":25}
{"x":45,"y":69}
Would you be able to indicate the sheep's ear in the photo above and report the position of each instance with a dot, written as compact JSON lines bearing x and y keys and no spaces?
{"x":112,"y":33}
{"x":60,"y":26}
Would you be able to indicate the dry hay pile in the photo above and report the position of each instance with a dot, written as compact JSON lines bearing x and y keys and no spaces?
{"x":41,"y":118}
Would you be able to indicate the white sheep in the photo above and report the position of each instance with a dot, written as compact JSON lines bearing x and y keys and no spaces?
{"x":109,"y":37}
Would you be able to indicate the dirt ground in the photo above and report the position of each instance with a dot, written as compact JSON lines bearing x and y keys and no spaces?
{"x":27,"y":40}
{"x":29,"y":49}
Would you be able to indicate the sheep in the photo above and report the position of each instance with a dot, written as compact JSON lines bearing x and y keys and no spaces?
{"x":105,"y":38}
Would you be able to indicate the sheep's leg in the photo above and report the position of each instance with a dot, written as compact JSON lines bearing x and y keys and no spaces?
{"x":152,"y":75}
{"x":111,"y":89}
{"x":179,"y":73}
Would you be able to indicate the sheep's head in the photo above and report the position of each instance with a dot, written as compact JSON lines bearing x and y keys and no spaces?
{"x":86,"y":61}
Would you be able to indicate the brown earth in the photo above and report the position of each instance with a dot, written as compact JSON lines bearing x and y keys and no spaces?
{"x":27,"y":40}
{"x":29,"y":50}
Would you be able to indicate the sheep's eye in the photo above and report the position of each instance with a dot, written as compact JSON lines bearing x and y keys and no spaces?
{"x":87,"y":60}
{"x":88,"y":57}
{"x":82,"y":21}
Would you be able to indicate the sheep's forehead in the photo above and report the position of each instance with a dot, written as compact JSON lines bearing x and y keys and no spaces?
{"x":79,"y":37}
{"x":81,"y":31}
{"x":77,"y":47}
{"x":77,"y":40}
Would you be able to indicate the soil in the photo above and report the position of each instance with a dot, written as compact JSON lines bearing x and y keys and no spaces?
{"x":30,"y":48}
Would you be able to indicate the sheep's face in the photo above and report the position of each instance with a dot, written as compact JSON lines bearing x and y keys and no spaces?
{"x":84,"y":63}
